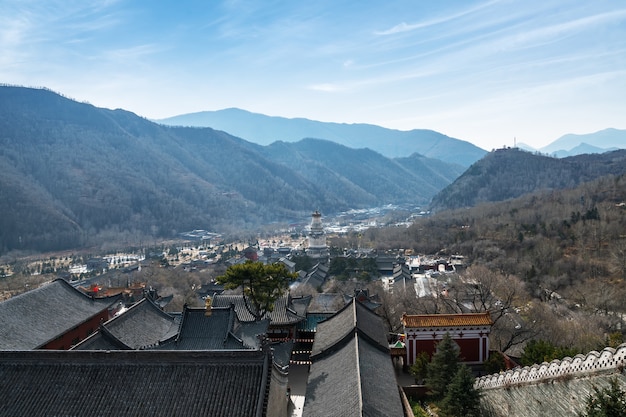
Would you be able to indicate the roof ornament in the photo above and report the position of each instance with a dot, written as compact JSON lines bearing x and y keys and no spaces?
{"x":208,"y":301}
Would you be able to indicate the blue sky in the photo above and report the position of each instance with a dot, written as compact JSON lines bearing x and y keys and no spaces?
{"x":482,"y":71}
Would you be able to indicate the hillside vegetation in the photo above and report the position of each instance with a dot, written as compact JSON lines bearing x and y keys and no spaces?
{"x":510,"y":173}
{"x":75,"y":175}
{"x":567,"y":247}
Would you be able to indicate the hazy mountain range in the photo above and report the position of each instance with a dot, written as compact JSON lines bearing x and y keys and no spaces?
{"x":265,"y":130}
{"x":74,"y":175}
{"x":571,"y":144}
{"x":72,"y":172}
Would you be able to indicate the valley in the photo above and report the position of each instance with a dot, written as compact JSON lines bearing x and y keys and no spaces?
{"x":109,"y":185}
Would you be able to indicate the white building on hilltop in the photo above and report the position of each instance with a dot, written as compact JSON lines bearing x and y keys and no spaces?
{"x":317,"y":238}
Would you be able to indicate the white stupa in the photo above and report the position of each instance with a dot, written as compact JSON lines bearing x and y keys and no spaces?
{"x":317,"y":238}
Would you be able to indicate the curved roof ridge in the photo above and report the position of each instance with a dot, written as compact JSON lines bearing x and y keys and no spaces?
{"x":106,"y":333}
{"x":353,"y":318}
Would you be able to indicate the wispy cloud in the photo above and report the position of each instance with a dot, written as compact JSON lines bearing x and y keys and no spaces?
{"x":132,"y":52}
{"x":408,"y":27}
{"x":369,"y":82}
{"x":327,"y":88}
{"x":546,"y":34}
{"x":411,"y":62}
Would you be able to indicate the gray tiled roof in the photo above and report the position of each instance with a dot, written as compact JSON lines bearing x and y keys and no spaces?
{"x":354,"y":317}
{"x":317,"y":276}
{"x":219,"y":330}
{"x":282,"y":352}
{"x":248,"y":332}
{"x":137,"y":383}
{"x":356,"y":380}
{"x":196,"y":331}
{"x":143,"y":324}
{"x":101,"y":340}
{"x":364,"y":298}
{"x":34,"y":318}
{"x":351,"y":373}
{"x":401,"y":273}
{"x":283,"y":313}
{"x":300,"y":304}
{"x":327,"y":303}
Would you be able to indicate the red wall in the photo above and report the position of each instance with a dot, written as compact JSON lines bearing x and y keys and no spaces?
{"x":427,"y":346}
{"x":75,"y":335}
{"x":470,"y":348}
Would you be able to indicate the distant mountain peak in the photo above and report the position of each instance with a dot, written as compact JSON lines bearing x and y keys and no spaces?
{"x":264,"y":130}
{"x":597,"y":142}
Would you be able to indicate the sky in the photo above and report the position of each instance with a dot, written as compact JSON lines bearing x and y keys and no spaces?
{"x":493,"y":72}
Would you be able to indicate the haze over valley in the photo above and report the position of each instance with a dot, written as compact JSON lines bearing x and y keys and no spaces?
{"x":78,"y":174}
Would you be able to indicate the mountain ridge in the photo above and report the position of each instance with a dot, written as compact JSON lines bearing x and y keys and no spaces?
{"x":76,"y":174}
{"x":510,"y":173}
{"x":604,"y":139}
{"x":264,"y":130}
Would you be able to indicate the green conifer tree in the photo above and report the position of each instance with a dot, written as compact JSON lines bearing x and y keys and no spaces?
{"x":461,"y":399}
{"x":606,"y":402}
{"x":442,"y":367}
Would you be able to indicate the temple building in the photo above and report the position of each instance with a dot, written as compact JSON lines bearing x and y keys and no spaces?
{"x":351,"y":374}
{"x":317,"y":238}
{"x":469,"y":331}
{"x":190,"y":383}
{"x":53,"y":316}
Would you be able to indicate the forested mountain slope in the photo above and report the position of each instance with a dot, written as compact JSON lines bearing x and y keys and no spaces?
{"x":510,"y":173}
{"x":74,"y":174}
{"x":557,"y":256}
{"x":363,"y":174}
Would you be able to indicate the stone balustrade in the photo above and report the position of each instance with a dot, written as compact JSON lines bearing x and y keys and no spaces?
{"x":608,"y":359}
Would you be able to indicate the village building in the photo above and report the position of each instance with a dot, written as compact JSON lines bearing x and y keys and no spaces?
{"x":53,"y":316}
{"x":385,"y":264}
{"x":469,"y":331}
{"x":316,"y":277}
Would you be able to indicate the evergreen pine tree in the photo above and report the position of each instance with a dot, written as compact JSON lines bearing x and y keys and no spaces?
{"x":461,"y":399}
{"x":442,"y":367}
{"x":606,"y":402}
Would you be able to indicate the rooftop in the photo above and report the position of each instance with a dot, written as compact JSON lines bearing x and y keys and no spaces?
{"x":219,"y":330}
{"x":354,"y":317}
{"x":33,"y":318}
{"x":446,"y":320}
{"x":138,"y":383}
{"x":351,"y":373}
{"x":143,"y":324}
{"x":283,"y":314}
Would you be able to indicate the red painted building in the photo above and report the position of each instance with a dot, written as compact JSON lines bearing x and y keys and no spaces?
{"x":79,"y":332}
{"x":469,"y":331}
{"x":53,"y":316}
